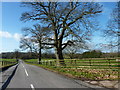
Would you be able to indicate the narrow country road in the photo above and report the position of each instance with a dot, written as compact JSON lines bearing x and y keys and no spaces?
{"x":29,"y":76}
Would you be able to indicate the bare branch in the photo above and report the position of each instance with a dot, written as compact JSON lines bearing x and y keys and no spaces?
{"x":66,"y":44}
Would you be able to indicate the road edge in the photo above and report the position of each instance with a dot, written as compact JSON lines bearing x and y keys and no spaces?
{"x":9,"y":78}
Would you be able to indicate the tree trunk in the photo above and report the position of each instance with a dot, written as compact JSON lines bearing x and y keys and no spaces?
{"x":39,"y":56}
{"x":59,"y":56}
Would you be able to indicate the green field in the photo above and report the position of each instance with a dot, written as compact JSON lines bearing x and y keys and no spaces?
{"x":7,"y":59}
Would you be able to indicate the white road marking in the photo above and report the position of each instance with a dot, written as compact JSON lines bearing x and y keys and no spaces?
{"x":32,"y":86}
{"x":26,"y":72}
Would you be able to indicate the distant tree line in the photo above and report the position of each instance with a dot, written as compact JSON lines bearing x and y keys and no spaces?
{"x":26,"y":55}
{"x":91,"y":54}
{"x":88,"y":54}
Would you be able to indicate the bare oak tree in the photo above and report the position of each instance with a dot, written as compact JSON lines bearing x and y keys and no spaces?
{"x":62,"y":19}
{"x":28,"y":44}
{"x":37,"y":35}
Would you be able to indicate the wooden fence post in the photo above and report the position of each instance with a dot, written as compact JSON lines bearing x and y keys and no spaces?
{"x":54,"y":62}
{"x":71,"y":62}
{"x":109,"y":63}
{"x":2,"y":63}
{"x":51,"y":63}
{"x":90,"y":62}
{"x":46,"y":63}
{"x":75,"y":62}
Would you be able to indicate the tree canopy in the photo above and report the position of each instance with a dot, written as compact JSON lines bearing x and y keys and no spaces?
{"x":64,"y":20}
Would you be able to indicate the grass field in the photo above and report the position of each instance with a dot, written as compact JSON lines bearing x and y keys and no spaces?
{"x":7,"y":59}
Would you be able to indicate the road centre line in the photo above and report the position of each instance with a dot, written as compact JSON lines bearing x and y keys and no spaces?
{"x":26,"y":72}
{"x":32,"y":86}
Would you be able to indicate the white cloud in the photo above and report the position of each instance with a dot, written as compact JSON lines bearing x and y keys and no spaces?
{"x":17,"y":36}
{"x":5,"y":34}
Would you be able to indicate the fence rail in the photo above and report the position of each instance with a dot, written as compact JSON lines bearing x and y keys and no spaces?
{"x":6,"y":63}
{"x":106,"y":63}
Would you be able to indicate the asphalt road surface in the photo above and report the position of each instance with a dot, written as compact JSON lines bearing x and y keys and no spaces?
{"x":29,"y":76}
